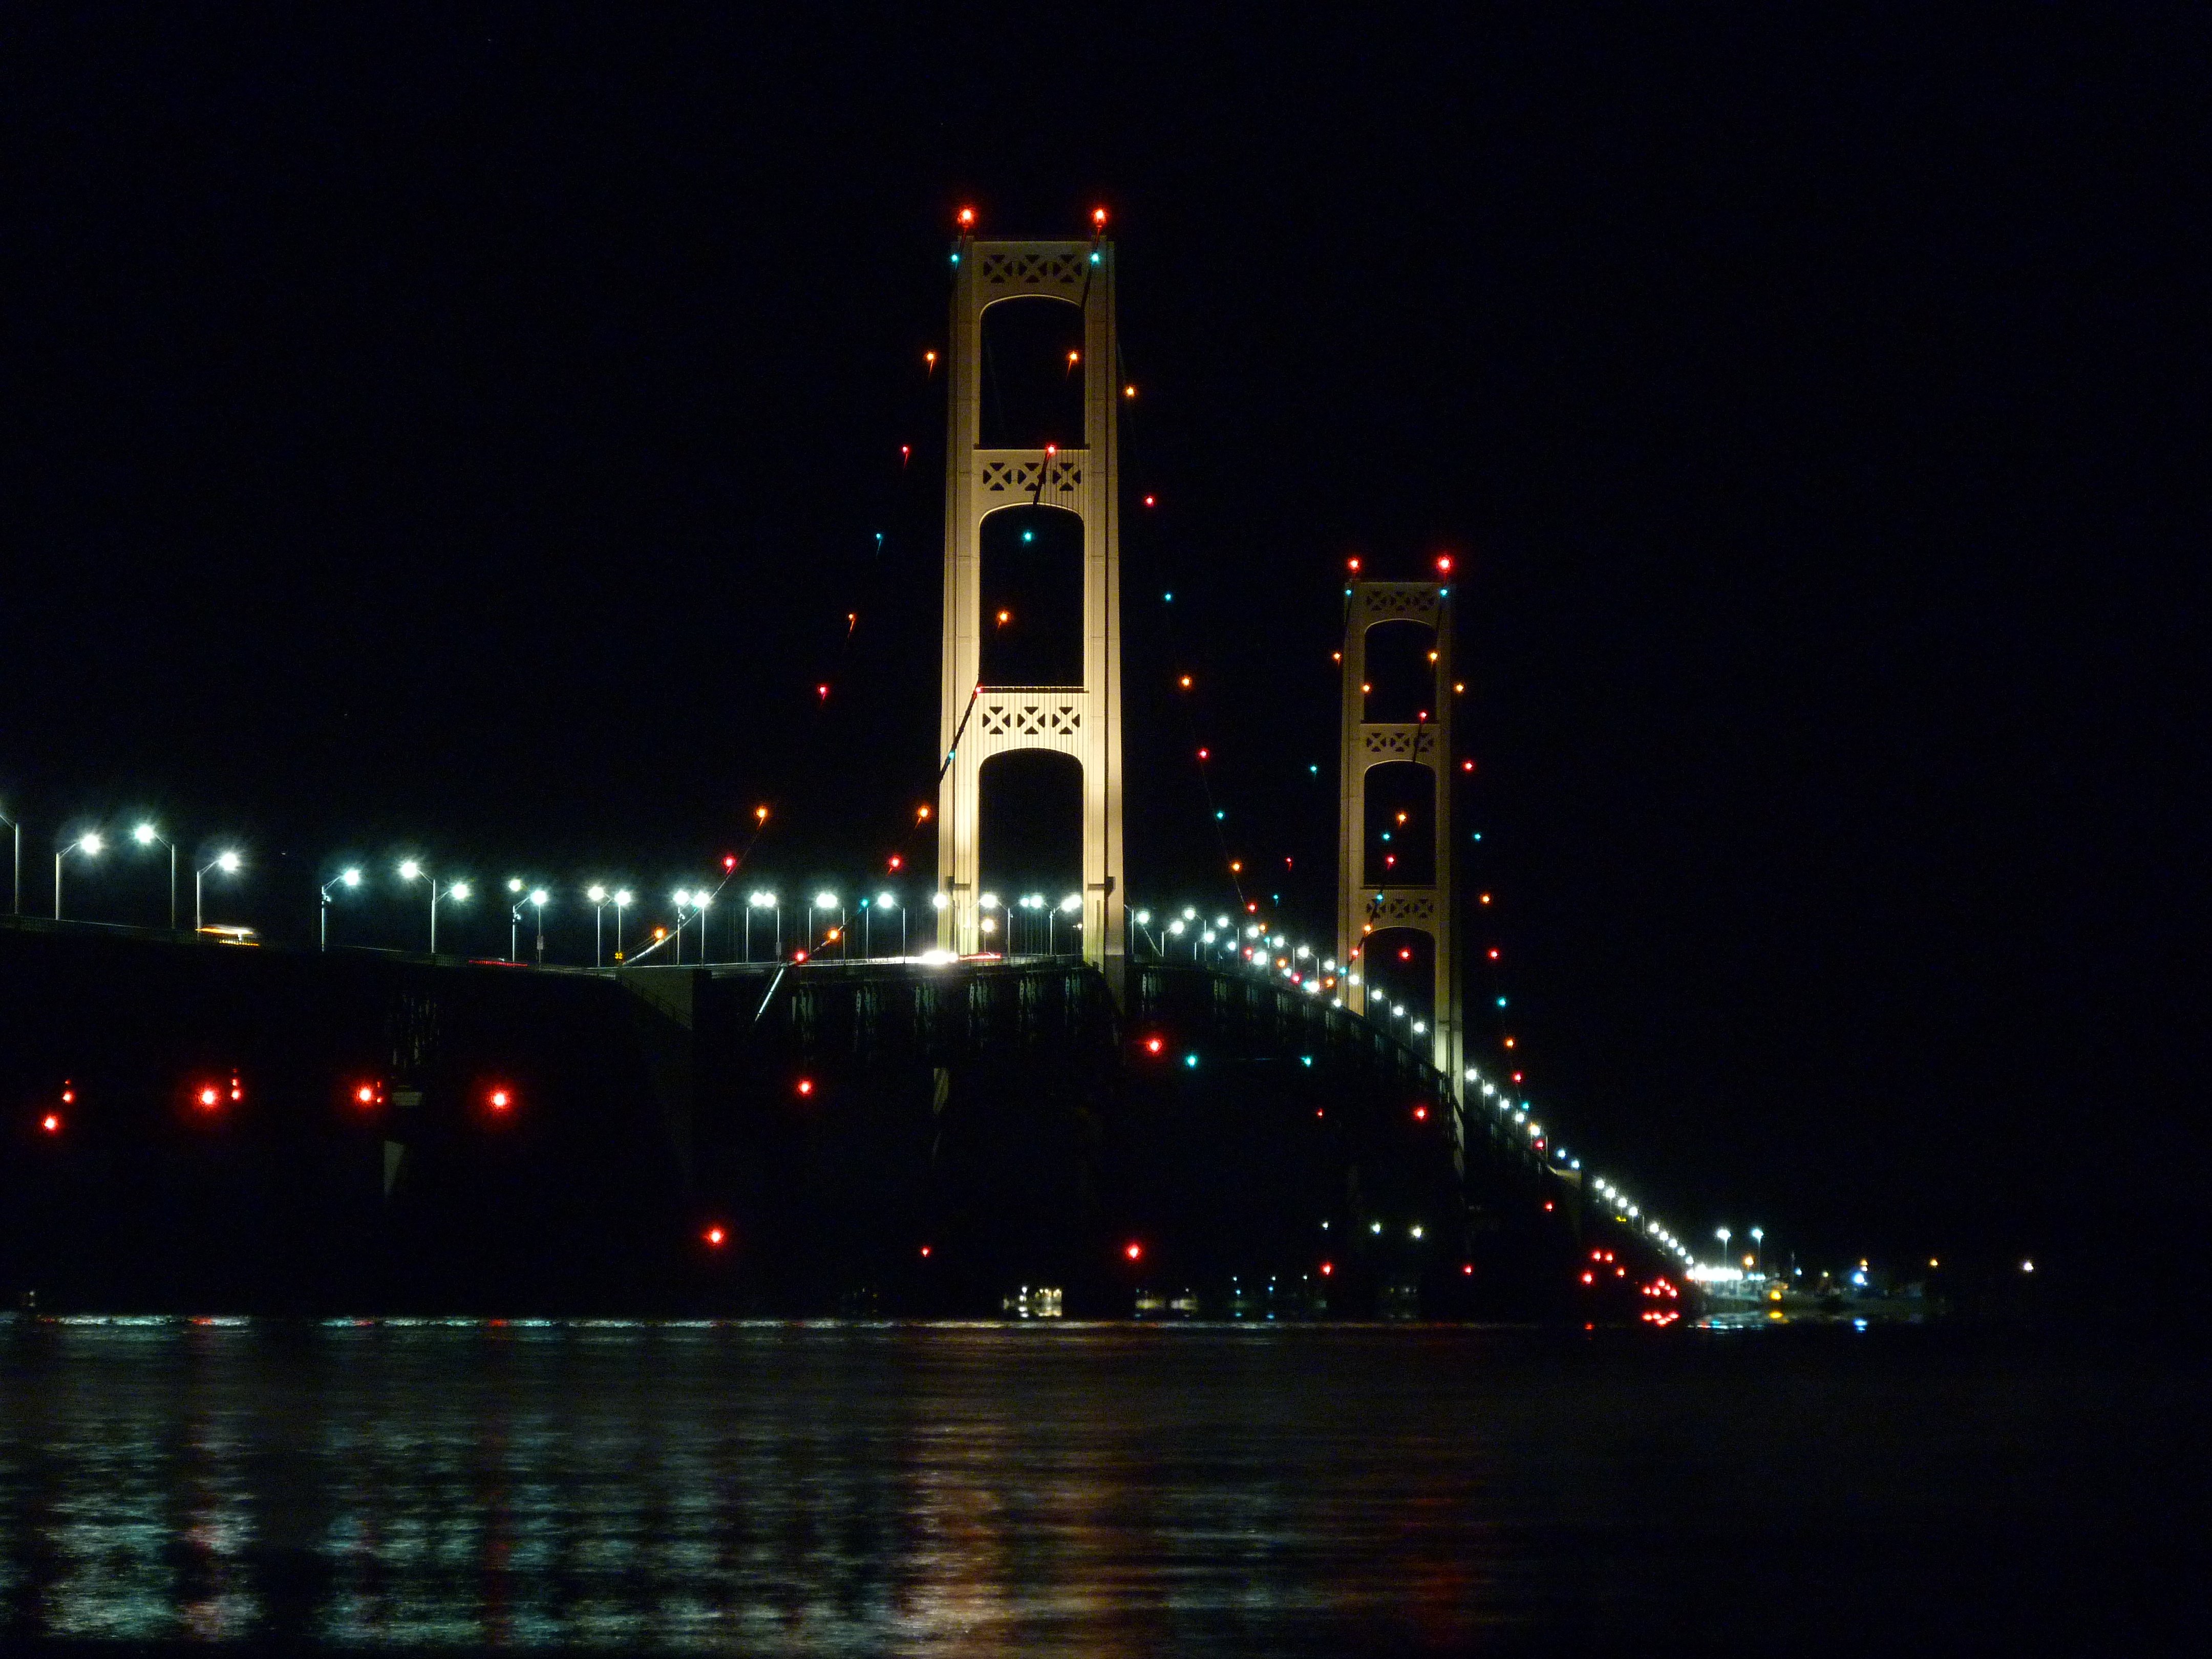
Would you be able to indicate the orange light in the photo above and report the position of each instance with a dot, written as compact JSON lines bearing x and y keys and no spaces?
{"x":1364,"y":688}
{"x":1005,"y":617}
{"x":660,"y":932}
{"x":760,"y":815}
{"x":1508,"y":1042}
{"x":1132,"y":1249}
{"x":1402,"y":818}
{"x":921,"y":812}
{"x":1098,"y":218}
{"x":1486,"y":898}
{"x":51,"y":1123}
{"x":929,"y":359}
{"x":966,"y":217}
{"x":806,"y":1085}
{"x":1236,"y":866}
{"x":1185,"y":682}
{"x":500,"y":1099}
{"x":1128,"y":392}
{"x":833,"y":935}
{"x":1459,"y":687}
{"x":1073,"y":358}
{"x":1336,"y":656}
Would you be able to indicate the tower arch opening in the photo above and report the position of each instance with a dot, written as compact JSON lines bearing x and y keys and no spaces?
{"x":1401,"y":677}
{"x":1030,"y":832}
{"x":1401,"y":825}
{"x":1033,"y":373}
{"x":1031,"y":582}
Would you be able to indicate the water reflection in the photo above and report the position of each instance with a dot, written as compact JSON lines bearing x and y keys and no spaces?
{"x":843,"y":1488}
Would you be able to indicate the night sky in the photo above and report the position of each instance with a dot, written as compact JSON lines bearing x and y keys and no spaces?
{"x":468,"y":433}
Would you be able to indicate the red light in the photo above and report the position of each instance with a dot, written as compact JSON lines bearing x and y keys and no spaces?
{"x":366,"y":1095}
{"x":798,"y":955}
{"x":1148,"y":501}
{"x":1205,"y":754}
{"x":1051,"y":450}
{"x":209,"y":1097}
{"x":1547,"y":1207}
{"x":1327,"y":1269}
{"x":714,"y":1235}
{"x":1468,"y":1268}
{"x":1153,"y":1045}
{"x":1443,"y":563}
{"x":1466,"y":766}
{"x":1516,"y":1077}
{"x":1098,"y":218}
{"x":51,"y":1123}
{"x":1133,"y":1250}
{"x":69,"y":1096}
{"x":729,"y":862}
{"x":806,"y":1085}
{"x":822,"y":692}
{"x":1405,"y":955}
{"x":925,"y":1251}
{"x":967,"y":218}
{"x":1588,"y":1279}
{"x":895,"y":862}
{"x":1352,"y":564}
{"x":500,"y":1099}
{"x":1493,"y":956}
{"x":1421,"y":1115}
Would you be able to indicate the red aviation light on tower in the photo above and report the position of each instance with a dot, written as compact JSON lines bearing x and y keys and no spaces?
{"x":1098,"y":220}
{"x":500,"y":1099}
{"x":1443,"y":564}
{"x":965,"y":219}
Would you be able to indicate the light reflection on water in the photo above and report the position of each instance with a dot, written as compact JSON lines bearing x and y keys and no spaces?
{"x":785,"y":1488}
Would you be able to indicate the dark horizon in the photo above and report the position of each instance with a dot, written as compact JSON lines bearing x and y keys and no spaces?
{"x":470,"y":434}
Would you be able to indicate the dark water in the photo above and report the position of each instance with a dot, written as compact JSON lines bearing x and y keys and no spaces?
{"x":1101,"y":1490}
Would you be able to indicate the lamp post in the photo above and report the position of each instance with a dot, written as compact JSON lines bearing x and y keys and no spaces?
{"x":891,"y":900}
{"x":349,"y":878}
{"x":228,"y":863}
{"x":514,"y":919}
{"x":146,"y":835}
{"x":700,"y":901}
{"x":683,"y":898}
{"x":761,"y":899}
{"x":598,"y":895}
{"x":1068,"y":907}
{"x":867,"y":926}
{"x":940,"y":902}
{"x":623,"y":899}
{"x":1758,"y":1251}
{"x":538,"y":898}
{"x":412,"y":870}
{"x":1032,"y":902}
{"x":822,"y":901}
{"x":15,"y":834}
{"x":1723,"y":1235}
{"x":89,"y":843}
{"x":1143,"y":918}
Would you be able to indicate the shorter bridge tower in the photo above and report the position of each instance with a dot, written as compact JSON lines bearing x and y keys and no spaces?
{"x":1370,"y":901}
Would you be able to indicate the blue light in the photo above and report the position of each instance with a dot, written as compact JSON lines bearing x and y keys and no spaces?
{"x":1305,"y":1059}
{"x":1218,"y":817}
{"x":1191,"y":1061}
{"x":1501,"y":1002}
{"x":1094,"y":259}
{"x":955,"y":258}
{"x":1315,"y":770}
{"x":1167,"y":599}
{"x":1029,"y":535}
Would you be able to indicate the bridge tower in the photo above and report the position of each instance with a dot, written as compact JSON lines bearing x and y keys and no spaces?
{"x":978,"y":721}
{"x":1369,"y":901}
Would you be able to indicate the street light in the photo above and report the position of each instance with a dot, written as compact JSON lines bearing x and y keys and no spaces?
{"x":538,"y":898}
{"x":412,"y":870}
{"x":763,"y":900}
{"x":700,"y":900}
{"x":822,"y":901}
{"x":146,"y":835}
{"x":683,"y":898}
{"x":891,"y":900}
{"x":622,"y":899}
{"x":1068,"y":907}
{"x":228,"y":863}
{"x":1758,"y":1255}
{"x":349,"y":878}
{"x":1723,"y":1235}
{"x":89,"y":843}
{"x":15,"y":834}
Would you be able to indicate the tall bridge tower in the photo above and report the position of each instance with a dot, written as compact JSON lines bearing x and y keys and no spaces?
{"x":1370,"y":901}
{"x":978,"y":721}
